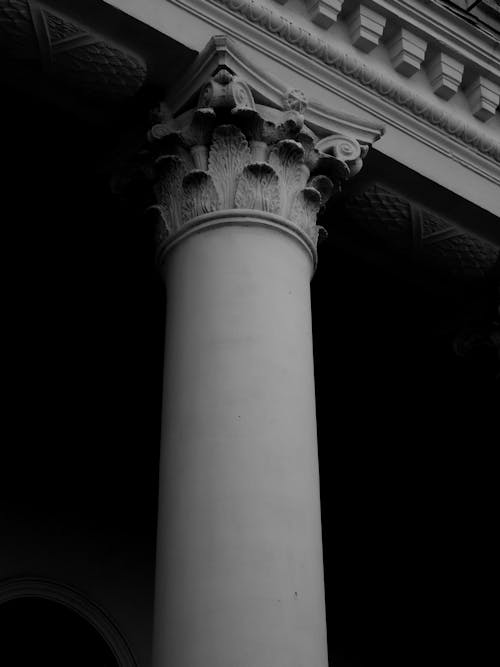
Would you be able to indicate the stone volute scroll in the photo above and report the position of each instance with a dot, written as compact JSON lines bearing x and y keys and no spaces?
{"x":229,"y":154}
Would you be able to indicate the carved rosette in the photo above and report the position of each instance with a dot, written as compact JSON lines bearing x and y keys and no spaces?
{"x":229,"y":153}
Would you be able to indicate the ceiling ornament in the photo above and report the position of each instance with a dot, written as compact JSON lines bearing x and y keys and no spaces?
{"x":405,"y":228}
{"x":68,"y":51}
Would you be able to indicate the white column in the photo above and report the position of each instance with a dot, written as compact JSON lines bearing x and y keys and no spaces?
{"x":239,"y":561}
{"x":240,"y":579}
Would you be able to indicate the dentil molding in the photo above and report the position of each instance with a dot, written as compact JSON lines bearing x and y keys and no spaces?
{"x":323,"y":12}
{"x":366,"y":28}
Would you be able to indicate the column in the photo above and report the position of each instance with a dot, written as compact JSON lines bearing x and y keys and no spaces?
{"x":239,"y":574}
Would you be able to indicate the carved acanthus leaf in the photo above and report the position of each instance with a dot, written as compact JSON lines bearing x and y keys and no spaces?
{"x":161,"y":225}
{"x":308,"y":141}
{"x":173,"y":144}
{"x":305,"y":209}
{"x":170,"y":173}
{"x":199,"y":195}
{"x":287,"y":159}
{"x":324,"y":186}
{"x":336,"y":169}
{"x":258,"y":188}
{"x":229,"y":154}
{"x":186,"y":136}
{"x":261,"y":161}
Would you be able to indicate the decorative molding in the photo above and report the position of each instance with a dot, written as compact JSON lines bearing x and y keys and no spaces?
{"x":231,"y":154}
{"x":69,"y":51}
{"x":240,"y":218}
{"x":332,"y":55}
{"x":433,"y":20}
{"x":324,"y":12}
{"x":31,"y":587}
{"x":445,"y":75}
{"x":366,"y":27}
{"x":484,"y":97}
{"x":406,"y":51}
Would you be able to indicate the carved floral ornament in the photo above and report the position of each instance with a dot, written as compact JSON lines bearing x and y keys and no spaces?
{"x":230,"y":153}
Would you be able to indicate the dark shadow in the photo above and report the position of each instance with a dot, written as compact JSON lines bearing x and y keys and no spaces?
{"x":42,"y":632}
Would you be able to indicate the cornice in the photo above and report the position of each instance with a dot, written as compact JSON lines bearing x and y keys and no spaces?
{"x":337,"y":59}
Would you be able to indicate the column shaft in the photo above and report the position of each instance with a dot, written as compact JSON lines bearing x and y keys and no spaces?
{"x":239,"y":562}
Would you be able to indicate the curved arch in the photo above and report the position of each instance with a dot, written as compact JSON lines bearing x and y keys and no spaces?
{"x":32,"y":587}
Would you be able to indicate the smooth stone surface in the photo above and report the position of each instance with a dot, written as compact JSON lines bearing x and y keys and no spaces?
{"x":239,"y":565}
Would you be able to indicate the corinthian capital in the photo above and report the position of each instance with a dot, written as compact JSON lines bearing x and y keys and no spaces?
{"x":230,"y":153}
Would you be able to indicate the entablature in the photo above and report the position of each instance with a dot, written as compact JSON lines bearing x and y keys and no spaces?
{"x":431,"y":78}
